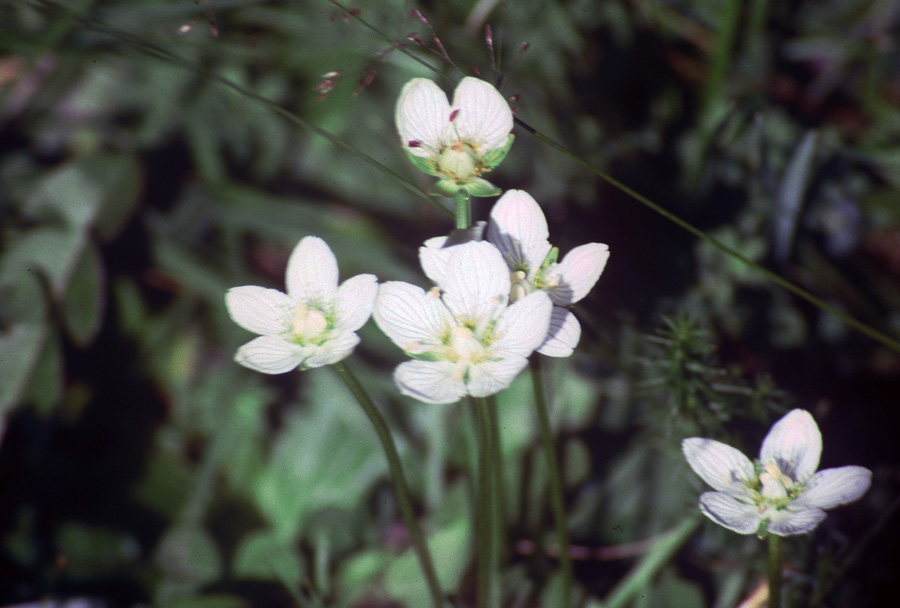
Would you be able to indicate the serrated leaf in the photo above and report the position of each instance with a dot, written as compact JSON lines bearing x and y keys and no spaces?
{"x":84,"y":300}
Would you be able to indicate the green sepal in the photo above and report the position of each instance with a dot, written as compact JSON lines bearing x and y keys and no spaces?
{"x":495,"y":157}
{"x":424,"y":356}
{"x":423,"y":164}
{"x":551,"y":258}
{"x":480,"y":187}
{"x":447,"y":187}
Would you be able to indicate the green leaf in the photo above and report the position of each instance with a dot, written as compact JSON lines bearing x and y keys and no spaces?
{"x":426,"y":165}
{"x":84,"y":300}
{"x":495,"y":157}
{"x":262,"y":556}
{"x":189,"y":555}
{"x":481,"y":187}
{"x":218,"y":600}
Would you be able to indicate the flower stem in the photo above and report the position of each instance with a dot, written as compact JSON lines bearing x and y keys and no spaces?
{"x":774,"y":571}
{"x":553,"y":474}
{"x":499,"y":484}
{"x":400,"y":489}
{"x":463,"y":210}
{"x":485,"y":518}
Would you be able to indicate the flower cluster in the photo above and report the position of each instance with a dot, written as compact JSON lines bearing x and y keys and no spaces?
{"x":781,"y":493}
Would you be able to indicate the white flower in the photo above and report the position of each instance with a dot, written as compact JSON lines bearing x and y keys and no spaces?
{"x":457,"y":143}
{"x":463,"y":335}
{"x":519,"y":230}
{"x":314,"y":324}
{"x":781,"y":493}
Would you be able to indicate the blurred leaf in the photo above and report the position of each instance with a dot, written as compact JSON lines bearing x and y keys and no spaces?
{"x":207,"y":601}
{"x":261,"y":556}
{"x":791,"y":193}
{"x":165,"y":485}
{"x":45,"y":384}
{"x":188,"y":556}
{"x":84,"y":301}
{"x":92,"y":551}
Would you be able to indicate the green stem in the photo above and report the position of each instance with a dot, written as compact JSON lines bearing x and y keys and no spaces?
{"x":485,"y":519}
{"x":499,"y":484}
{"x":557,"y":501}
{"x":774,"y":571}
{"x":400,"y":489}
{"x":463,"y":210}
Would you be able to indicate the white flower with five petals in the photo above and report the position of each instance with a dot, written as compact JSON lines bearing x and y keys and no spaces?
{"x":463,"y":335}
{"x":519,"y":230}
{"x":457,"y":142}
{"x":781,"y":493}
{"x":313,"y":324}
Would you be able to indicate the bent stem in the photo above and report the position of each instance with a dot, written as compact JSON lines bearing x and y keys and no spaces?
{"x":774,"y":571}
{"x":400,"y":489}
{"x":553,"y":475}
{"x":485,"y":516}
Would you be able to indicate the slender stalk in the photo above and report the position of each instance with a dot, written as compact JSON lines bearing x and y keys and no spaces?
{"x":485,"y":519}
{"x":463,"y":210}
{"x":554,"y":478}
{"x":400,"y":489}
{"x":774,"y":567}
{"x":499,"y":484}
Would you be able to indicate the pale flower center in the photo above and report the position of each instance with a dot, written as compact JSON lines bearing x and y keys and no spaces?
{"x":308,"y":324}
{"x":776,"y":485}
{"x":458,"y":161}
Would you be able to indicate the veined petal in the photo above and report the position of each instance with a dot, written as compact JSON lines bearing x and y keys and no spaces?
{"x":355,"y":301}
{"x":414,"y":320}
{"x":270,"y":355}
{"x":578,"y":272}
{"x":429,"y":381}
{"x":721,"y":466}
{"x":563,"y":334}
{"x":335,"y":349}
{"x":519,"y":230}
{"x":423,"y":117}
{"x":491,"y":377}
{"x":476,"y":283}
{"x":433,"y":258}
{"x":312,"y":272}
{"x":790,"y":521}
{"x":733,"y":514}
{"x":483,"y":117}
{"x":260,"y":310}
{"x":523,"y":326}
{"x":794,"y":444}
{"x":834,"y":487}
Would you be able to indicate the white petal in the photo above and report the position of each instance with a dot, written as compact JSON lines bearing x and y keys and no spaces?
{"x":523,"y":326}
{"x":355,"y":301}
{"x":423,"y":116}
{"x":733,"y":514}
{"x":312,"y":272}
{"x":337,"y":348}
{"x":794,"y":444}
{"x":429,"y":381}
{"x":476,"y":283}
{"x":260,"y":310}
{"x":790,"y":521}
{"x":834,"y":487}
{"x":721,"y":466}
{"x":433,"y":258}
{"x":414,"y":320}
{"x":578,"y":272}
{"x":563,"y":334}
{"x":491,"y":377}
{"x":519,"y":230}
{"x":270,"y":355}
{"x":484,"y":117}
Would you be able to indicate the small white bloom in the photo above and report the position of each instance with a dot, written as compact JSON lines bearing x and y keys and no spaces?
{"x":781,"y":493}
{"x":519,"y":230}
{"x":456,"y":142}
{"x":464,"y":336}
{"x":313,"y":324}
